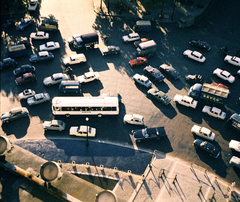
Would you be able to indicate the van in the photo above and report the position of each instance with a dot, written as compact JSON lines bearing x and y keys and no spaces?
{"x":70,"y":86}
{"x":147,"y":48}
{"x":186,"y":21}
{"x":142,"y":26}
{"x":234,"y":121}
{"x":48,"y":24}
{"x":17,"y":51}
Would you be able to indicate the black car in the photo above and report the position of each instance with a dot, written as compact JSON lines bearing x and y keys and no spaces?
{"x":196,"y":78}
{"x":23,"y":69}
{"x":173,"y":73}
{"x":207,"y":147}
{"x":154,"y":72}
{"x":24,"y":24}
{"x":148,"y":134}
{"x":200,"y":44}
{"x":7,"y":62}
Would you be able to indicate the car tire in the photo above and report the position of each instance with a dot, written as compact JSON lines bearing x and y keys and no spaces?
{"x":68,"y":115}
{"x":49,"y":84}
{"x":196,"y":146}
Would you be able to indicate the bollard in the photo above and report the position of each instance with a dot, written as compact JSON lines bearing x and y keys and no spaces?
{"x":162,"y":173}
{"x":175,"y":179}
{"x":129,"y":172}
{"x":200,"y":190}
{"x":115,"y":169}
{"x":143,"y":177}
{"x":73,"y":162}
{"x":87,"y":164}
{"x":101,"y":166}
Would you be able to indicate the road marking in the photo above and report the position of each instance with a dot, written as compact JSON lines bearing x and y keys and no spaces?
{"x":133,"y":142}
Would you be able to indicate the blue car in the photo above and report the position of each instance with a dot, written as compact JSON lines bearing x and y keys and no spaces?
{"x":24,"y":24}
{"x":7,"y":62}
{"x":41,"y":56}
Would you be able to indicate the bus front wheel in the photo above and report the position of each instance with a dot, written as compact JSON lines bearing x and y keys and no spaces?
{"x":67,"y":115}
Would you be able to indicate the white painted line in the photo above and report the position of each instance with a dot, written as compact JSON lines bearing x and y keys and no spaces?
{"x":133,"y":142}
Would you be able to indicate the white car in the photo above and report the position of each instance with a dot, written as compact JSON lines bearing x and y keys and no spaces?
{"x":225,"y":75}
{"x":38,"y":98}
{"x":235,"y":145}
{"x":185,"y":100}
{"x":49,"y":46}
{"x":71,"y":39}
{"x":232,"y":60}
{"x":88,"y":76}
{"x":75,"y":59}
{"x":26,"y":94}
{"x":135,"y":119}
{"x":131,"y":37}
{"x":82,"y":131}
{"x":33,"y":5}
{"x":143,"y":80}
{"x":55,"y":79}
{"x":39,"y":35}
{"x":194,"y":55}
{"x":54,"y":125}
{"x":203,"y":132}
{"x":214,"y":111}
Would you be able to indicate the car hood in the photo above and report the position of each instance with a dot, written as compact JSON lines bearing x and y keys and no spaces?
{"x":127,"y":117}
{"x":46,"y":124}
{"x":234,"y":144}
{"x":30,"y":100}
{"x":19,"y":79}
{"x":34,"y":57}
{"x":47,"y":80}
{"x":5,"y":115}
{"x":73,"y":129}
{"x":81,"y":78}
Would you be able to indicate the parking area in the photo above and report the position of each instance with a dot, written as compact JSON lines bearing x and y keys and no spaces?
{"x":116,"y":77}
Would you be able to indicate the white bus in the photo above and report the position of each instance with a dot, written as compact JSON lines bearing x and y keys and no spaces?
{"x":99,"y":106}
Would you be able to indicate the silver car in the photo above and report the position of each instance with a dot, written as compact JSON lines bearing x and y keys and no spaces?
{"x":54,"y":125}
{"x":13,"y":114}
{"x":38,"y":98}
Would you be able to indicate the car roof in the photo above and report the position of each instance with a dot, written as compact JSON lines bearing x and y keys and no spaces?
{"x":187,"y":98}
{"x":205,"y":130}
{"x":81,"y":55}
{"x":16,"y":110}
{"x":197,"y":53}
{"x":50,"y":43}
{"x":133,"y":34}
{"x":42,"y":53}
{"x":40,"y":33}
{"x":217,"y":110}
{"x":40,"y":95}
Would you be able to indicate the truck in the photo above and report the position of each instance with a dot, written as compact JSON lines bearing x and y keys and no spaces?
{"x":86,"y":40}
{"x":209,"y":92}
{"x":186,"y":21}
{"x":48,"y":24}
{"x":142,"y":25}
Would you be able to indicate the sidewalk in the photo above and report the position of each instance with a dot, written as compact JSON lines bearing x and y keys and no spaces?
{"x":166,"y":12}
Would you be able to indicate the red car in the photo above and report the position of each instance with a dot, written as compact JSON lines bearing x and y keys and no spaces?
{"x":138,"y":61}
{"x":25,"y":78}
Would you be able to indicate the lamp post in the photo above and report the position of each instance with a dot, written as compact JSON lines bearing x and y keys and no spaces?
{"x":87,"y":143}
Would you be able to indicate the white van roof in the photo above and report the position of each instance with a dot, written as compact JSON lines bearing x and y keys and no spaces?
{"x":147,"y":43}
{"x":143,"y":22}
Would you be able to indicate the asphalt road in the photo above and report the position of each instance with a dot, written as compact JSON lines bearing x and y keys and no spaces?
{"x":218,"y":26}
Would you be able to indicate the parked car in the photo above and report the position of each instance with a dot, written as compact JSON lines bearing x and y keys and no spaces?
{"x":207,"y":147}
{"x":214,"y":111}
{"x":136,"y":43}
{"x":40,"y":35}
{"x":203,"y":132}
{"x":23,"y":69}
{"x":154,"y":72}
{"x":148,"y":134}
{"x":143,"y":80}
{"x":185,"y":100}
{"x":24,"y":41}
{"x":235,"y":161}
{"x":234,"y":145}
{"x":72,"y":38}
{"x":25,"y":78}
{"x":173,"y":73}
{"x":138,"y":61}
{"x":200,"y":44}
{"x":55,"y":79}
{"x":75,"y":59}
{"x":134,"y":119}
{"x":26,"y":94}
{"x":194,"y":55}
{"x":196,"y":78}
{"x":88,"y":77}
{"x":109,"y":50}
{"x":233,"y":60}
{"x":41,"y":56}
{"x":13,"y":114}
{"x":54,"y":125}
{"x":82,"y":131}
{"x":49,"y":46}
{"x":33,"y":5}
{"x":159,"y":96}
{"x":7,"y":62}
{"x":223,"y":74}
{"x":38,"y":99}
{"x":131,"y":37}
{"x":24,"y":24}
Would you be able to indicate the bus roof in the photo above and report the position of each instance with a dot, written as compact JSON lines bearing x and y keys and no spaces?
{"x":84,"y":101}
